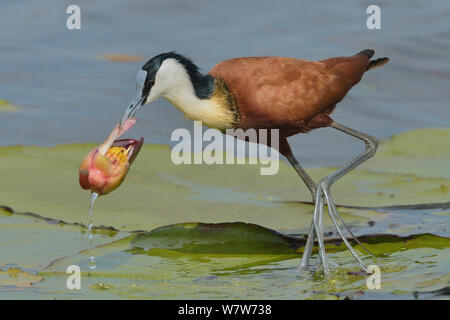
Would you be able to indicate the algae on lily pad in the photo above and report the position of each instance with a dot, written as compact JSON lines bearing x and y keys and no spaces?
{"x":17,"y":278}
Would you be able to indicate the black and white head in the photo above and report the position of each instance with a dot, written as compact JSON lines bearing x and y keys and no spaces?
{"x":168,"y":75}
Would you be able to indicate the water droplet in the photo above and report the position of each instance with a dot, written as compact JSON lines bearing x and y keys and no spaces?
{"x":92,"y":265}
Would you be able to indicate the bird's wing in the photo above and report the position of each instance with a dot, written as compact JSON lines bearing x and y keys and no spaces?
{"x":275,"y":92}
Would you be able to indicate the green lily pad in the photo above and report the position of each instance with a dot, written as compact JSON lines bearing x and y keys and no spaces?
{"x":239,"y":261}
{"x":15,"y":278}
{"x":29,"y":242}
{"x":6,"y":106}
{"x":215,"y":238}
{"x":155,"y":193}
{"x":44,"y":180}
{"x":423,"y":153}
{"x":185,"y":256}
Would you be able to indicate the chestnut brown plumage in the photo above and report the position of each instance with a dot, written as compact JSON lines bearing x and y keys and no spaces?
{"x":289,"y":94}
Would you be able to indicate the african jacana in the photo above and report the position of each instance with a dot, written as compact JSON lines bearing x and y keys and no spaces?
{"x":288,"y":94}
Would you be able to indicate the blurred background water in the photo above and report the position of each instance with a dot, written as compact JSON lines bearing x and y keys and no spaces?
{"x":67,"y":93}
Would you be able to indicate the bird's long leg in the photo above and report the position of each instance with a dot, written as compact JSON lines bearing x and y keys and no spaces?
{"x":371,"y":146}
{"x":304,"y":264}
{"x":318,"y":227}
{"x":312,"y":188}
{"x":304,"y":176}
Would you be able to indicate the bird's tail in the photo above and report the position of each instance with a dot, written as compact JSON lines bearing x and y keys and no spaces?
{"x":373,"y":63}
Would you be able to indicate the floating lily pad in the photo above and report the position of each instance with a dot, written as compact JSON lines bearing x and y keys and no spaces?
{"x":6,"y":106}
{"x":12,"y":278}
{"x":182,"y":257}
{"x":156,"y":192}
{"x":29,"y":242}
{"x":237,"y":260}
{"x":421,"y":153}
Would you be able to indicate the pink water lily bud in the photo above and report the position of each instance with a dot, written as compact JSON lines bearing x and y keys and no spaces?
{"x":104,"y":168}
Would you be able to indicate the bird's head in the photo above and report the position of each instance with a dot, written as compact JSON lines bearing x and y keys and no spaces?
{"x":165,"y":75}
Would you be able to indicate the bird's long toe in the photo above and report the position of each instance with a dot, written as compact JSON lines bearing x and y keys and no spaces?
{"x":334,"y":215}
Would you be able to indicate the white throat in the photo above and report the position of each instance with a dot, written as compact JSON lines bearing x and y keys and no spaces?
{"x":178,"y":89}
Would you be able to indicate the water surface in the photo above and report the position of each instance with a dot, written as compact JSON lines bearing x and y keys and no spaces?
{"x":69,"y":94}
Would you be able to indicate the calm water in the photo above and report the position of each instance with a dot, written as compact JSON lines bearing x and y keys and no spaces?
{"x":69,"y":94}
